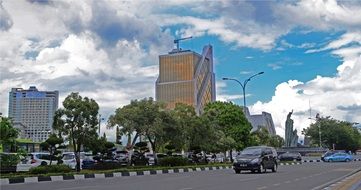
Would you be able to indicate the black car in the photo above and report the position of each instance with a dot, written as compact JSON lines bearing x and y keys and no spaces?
{"x":256,"y":158}
{"x":139,"y":159}
{"x":290,"y":156}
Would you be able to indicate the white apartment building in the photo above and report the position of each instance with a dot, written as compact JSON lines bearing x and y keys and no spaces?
{"x":32,"y":112}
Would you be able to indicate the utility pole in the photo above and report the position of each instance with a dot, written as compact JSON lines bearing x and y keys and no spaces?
{"x":100,"y":120}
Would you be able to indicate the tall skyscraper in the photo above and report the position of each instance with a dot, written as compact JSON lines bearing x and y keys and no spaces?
{"x":32,"y":111}
{"x":186,"y":77}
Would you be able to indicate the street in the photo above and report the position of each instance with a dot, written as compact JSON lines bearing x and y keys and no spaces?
{"x":296,"y":177}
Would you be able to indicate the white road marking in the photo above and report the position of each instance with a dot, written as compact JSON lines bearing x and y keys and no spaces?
{"x":264,"y":187}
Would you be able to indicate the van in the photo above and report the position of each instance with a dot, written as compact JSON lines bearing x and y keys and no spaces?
{"x":256,"y":158}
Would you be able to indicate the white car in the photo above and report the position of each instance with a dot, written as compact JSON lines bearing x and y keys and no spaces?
{"x":150,"y":157}
{"x":69,"y":159}
{"x":41,"y":158}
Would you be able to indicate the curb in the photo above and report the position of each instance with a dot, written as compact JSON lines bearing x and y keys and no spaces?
{"x":330,"y":184}
{"x":312,"y":161}
{"x":16,"y":180}
{"x":355,"y":160}
{"x":288,"y":164}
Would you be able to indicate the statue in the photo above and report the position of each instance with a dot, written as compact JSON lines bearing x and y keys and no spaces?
{"x":291,"y":137}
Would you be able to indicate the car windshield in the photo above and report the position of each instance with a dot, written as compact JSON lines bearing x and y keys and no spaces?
{"x":68,"y":156}
{"x":251,"y":152}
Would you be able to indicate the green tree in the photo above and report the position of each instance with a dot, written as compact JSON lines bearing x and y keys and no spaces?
{"x":276,"y":141}
{"x":145,"y":118}
{"x":78,"y":121}
{"x":8,"y":133}
{"x":52,"y":144}
{"x":230,"y":119}
{"x":262,"y":136}
{"x":179,"y":134}
{"x":334,"y":132}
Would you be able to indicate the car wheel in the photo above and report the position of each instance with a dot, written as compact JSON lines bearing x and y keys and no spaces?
{"x":261,"y":169}
{"x":347,"y":160}
{"x":237,"y":171}
{"x":252,"y":171}
{"x":330,"y":160}
{"x":43,"y":163}
{"x":274,"y":168}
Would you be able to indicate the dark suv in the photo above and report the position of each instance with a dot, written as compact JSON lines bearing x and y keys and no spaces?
{"x":256,"y":158}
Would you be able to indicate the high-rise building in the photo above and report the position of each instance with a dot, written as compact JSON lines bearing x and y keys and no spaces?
{"x":32,"y":112}
{"x":259,"y":121}
{"x":186,"y":77}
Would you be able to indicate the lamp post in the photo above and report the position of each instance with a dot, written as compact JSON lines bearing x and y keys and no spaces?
{"x":243,"y":87}
{"x":319,"y":127}
{"x":100,"y":120}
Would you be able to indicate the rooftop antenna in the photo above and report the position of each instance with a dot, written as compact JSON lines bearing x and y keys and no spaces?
{"x":176,"y":41}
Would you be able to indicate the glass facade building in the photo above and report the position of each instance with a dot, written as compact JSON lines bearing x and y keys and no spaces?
{"x":186,"y":77}
{"x":32,"y":112}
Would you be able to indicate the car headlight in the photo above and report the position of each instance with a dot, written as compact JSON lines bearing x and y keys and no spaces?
{"x":235,"y":161}
{"x":256,"y":160}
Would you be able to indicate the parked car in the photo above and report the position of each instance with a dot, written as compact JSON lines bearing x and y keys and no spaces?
{"x":139,"y":158}
{"x":41,"y":158}
{"x":122,"y":157}
{"x":215,"y":158}
{"x":290,"y":156}
{"x":256,"y":158}
{"x":69,"y":159}
{"x":338,"y":157}
{"x":329,"y":153}
{"x":150,"y":157}
{"x":88,"y":161}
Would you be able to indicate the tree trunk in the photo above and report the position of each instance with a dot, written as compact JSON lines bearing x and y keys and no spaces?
{"x":78,"y":158}
{"x":134,"y":140}
{"x":230,"y":155}
{"x":51,"y":155}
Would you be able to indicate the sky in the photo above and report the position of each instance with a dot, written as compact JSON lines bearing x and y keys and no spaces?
{"x":309,"y":51}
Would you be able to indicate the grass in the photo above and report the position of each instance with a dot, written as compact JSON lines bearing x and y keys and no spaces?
{"x":125,"y":169}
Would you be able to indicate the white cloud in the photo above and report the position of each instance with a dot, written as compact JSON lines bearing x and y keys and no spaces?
{"x":330,"y":96}
{"x":109,"y":50}
{"x":321,"y":15}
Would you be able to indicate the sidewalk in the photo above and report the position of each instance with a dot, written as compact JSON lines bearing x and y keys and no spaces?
{"x":352,"y":182}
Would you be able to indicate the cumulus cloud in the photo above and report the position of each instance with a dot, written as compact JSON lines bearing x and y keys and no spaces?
{"x":109,"y":50}
{"x":339,"y":96}
{"x":5,"y":19}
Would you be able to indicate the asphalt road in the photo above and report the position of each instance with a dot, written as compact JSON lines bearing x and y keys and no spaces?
{"x":296,"y":177}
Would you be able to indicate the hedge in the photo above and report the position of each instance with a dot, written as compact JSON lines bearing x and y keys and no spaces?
{"x":173,"y":161}
{"x":61,"y":168}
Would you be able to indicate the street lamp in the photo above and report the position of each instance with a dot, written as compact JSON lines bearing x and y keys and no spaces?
{"x":100,"y":120}
{"x":243,"y":87}
{"x":319,"y":127}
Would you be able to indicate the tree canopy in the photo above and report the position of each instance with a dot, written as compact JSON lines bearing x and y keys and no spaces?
{"x":78,"y":121}
{"x":8,"y":133}
{"x":229,"y":118}
{"x":336,"y":133}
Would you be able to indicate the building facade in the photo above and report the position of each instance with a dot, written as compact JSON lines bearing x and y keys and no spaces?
{"x":186,"y":77}
{"x":263,"y":120}
{"x":32,"y":112}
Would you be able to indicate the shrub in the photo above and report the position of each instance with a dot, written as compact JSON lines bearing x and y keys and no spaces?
{"x":61,"y":168}
{"x":173,"y":161}
{"x":9,"y":160}
{"x":106,"y":166}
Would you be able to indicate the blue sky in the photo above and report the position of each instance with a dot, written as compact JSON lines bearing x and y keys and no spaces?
{"x":108,"y":50}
